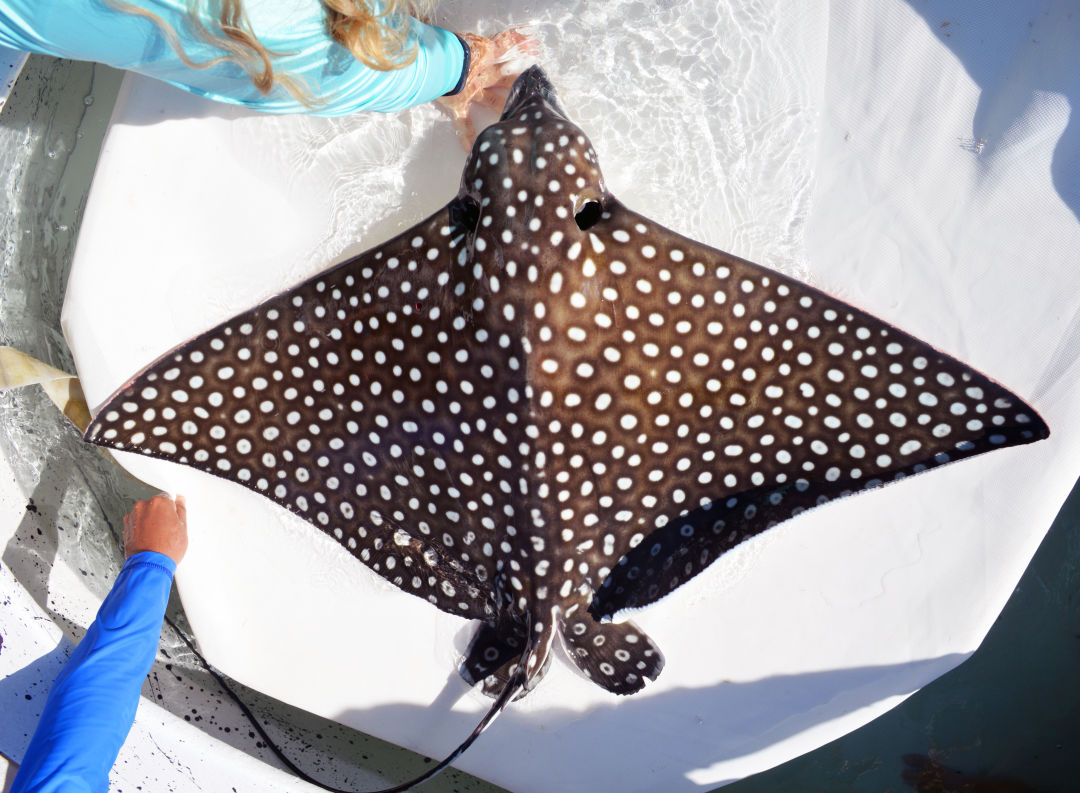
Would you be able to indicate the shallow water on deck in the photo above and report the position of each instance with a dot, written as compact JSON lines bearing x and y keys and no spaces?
{"x":700,"y":121}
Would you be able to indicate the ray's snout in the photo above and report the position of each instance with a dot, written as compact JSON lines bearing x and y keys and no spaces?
{"x":532,"y":85}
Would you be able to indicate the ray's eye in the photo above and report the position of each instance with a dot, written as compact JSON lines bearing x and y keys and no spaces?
{"x":464,"y":213}
{"x":588,"y":214}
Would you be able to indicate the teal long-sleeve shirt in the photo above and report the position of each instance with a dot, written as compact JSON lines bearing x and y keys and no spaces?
{"x":91,"y":706}
{"x":93,"y":30}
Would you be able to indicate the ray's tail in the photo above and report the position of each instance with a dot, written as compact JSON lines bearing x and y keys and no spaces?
{"x":515,"y":684}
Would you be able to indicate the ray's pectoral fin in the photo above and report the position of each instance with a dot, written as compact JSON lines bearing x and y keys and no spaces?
{"x":315,"y":400}
{"x":617,"y":656}
{"x":775,"y":398}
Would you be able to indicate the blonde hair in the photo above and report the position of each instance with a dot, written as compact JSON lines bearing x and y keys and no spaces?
{"x":378,"y":39}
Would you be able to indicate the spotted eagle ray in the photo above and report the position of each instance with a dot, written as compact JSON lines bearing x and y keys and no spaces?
{"x":536,"y":407}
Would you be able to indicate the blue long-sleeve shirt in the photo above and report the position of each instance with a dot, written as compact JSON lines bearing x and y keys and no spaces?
{"x":92,"y":30}
{"x":91,"y":706}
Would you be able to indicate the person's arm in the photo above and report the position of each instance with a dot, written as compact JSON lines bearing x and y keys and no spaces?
{"x":455,"y":68}
{"x":334,"y":81}
{"x":91,"y":705}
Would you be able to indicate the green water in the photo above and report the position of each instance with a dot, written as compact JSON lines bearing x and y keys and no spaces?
{"x":1007,"y":719}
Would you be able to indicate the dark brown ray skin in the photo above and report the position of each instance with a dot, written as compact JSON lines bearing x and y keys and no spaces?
{"x":531,"y":423}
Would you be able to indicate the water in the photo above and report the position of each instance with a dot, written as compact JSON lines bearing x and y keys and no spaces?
{"x":1007,"y":720}
{"x":727,"y":117}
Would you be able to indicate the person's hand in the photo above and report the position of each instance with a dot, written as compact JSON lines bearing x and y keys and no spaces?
{"x":157,"y":524}
{"x":486,"y":84}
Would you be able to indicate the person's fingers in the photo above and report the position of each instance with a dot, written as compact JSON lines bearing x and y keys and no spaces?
{"x":466,"y":130}
{"x":487,"y":84}
{"x":157,"y":524}
{"x":163,"y":507}
{"x":515,"y":43}
{"x":491,"y":99}
{"x":518,"y":37}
